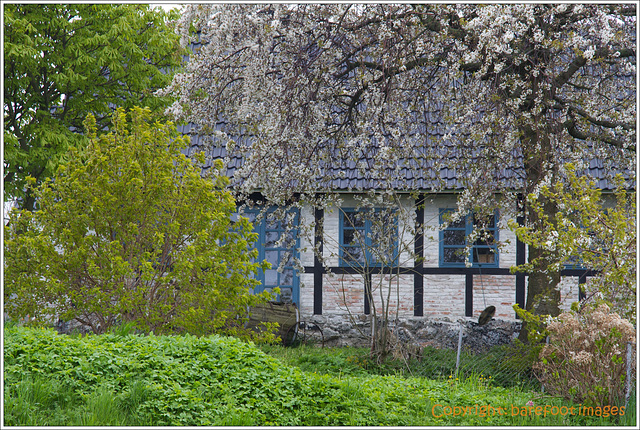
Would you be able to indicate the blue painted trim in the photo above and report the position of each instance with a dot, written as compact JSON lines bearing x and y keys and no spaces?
{"x":468,"y":229}
{"x":367,"y":229}
{"x":262,"y":230}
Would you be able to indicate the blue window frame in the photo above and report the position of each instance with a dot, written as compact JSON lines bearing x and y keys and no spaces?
{"x":278,"y":244}
{"x":368,"y":238}
{"x":455,"y":239}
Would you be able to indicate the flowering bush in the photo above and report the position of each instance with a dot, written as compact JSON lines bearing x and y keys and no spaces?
{"x":585,"y":358}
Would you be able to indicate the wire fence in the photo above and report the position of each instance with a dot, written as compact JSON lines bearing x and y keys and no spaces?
{"x":511,"y":365}
{"x":631,"y":371}
{"x":505,"y":365}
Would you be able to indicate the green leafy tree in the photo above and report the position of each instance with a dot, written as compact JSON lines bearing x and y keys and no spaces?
{"x":589,"y":230}
{"x":62,"y":62}
{"x":130,"y":231}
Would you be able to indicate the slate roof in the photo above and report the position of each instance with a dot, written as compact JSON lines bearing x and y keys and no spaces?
{"x":419,"y":174}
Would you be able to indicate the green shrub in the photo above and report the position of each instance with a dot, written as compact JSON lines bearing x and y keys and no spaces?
{"x":134,"y":380}
{"x":128,"y":231}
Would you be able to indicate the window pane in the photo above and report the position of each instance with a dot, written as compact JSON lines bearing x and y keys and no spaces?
{"x":271,"y":277}
{"x":272,"y":222}
{"x":484,"y":221}
{"x":454,"y":255}
{"x":289,"y":242}
{"x":446,"y":216}
{"x":454,"y":237}
{"x":354,"y":219}
{"x":353,"y":255}
{"x":272,"y":257}
{"x":288,"y":258}
{"x":271,"y":237}
{"x":385,"y":234}
{"x":574,"y":262}
{"x":287,"y":277}
{"x":286,"y":295}
{"x":352,"y":237}
{"x":250,"y":215}
{"x":384,"y":256}
{"x":483,"y":255}
{"x":486,"y":238}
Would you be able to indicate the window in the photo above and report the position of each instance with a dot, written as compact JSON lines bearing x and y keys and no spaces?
{"x":278,"y":244}
{"x":368,"y":238}
{"x":455,"y":239}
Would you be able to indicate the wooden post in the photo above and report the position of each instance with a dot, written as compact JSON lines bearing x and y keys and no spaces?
{"x":627,"y":391}
{"x":317,"y":264}
{"x":418,"y":245}
{"x":468,"y":295}
{"x":459,"y":349}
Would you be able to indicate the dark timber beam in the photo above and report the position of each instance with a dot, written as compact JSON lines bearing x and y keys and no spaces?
{"x":318,"y":270}
{"x":468,"y":295}
{"x":367,"y":291}
{"x":418,"y":277}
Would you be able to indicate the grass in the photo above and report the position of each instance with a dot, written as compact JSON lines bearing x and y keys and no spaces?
{"x":507,"y":366}
{"x":124,"y":379}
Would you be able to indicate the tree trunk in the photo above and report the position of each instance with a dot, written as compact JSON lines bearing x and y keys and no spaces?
{"x":543,"y":296}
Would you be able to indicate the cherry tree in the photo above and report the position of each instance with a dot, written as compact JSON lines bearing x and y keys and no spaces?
{"x":504,"y":94}
{"x":545,"y":85}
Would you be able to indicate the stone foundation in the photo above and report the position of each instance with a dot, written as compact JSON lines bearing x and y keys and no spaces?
{"x":341,"y":331}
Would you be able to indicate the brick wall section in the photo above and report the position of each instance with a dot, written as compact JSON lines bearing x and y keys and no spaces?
{"x":494,"y":290}
{"x":331,"y":248}
{"x":569,"y":292}
{"x":444,"y":296}
{"x":342,"y":294}
{"x":399,"y":287}
{"x":306,"y":295}
{"x":305,"y":252}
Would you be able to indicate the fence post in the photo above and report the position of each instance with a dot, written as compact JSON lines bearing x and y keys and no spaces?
{"x":546,"y":341}
{"x":459,"y":348}
{"x":627,"y":390}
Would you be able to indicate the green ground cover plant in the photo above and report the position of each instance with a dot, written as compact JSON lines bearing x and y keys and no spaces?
{"x":125,"y":379}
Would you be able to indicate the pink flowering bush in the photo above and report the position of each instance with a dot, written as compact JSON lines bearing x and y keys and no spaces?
{"x":585,"y":359}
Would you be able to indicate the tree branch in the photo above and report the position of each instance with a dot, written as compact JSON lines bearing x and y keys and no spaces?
{"x":570,"y":126}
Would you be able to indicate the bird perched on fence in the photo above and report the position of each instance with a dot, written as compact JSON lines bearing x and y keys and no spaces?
{"x":486,"y":315}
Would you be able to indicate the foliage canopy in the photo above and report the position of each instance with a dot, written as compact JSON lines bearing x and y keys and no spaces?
{"x":62,"y":62}
{"x":588,"y":230}
{"x":504,"y":94}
